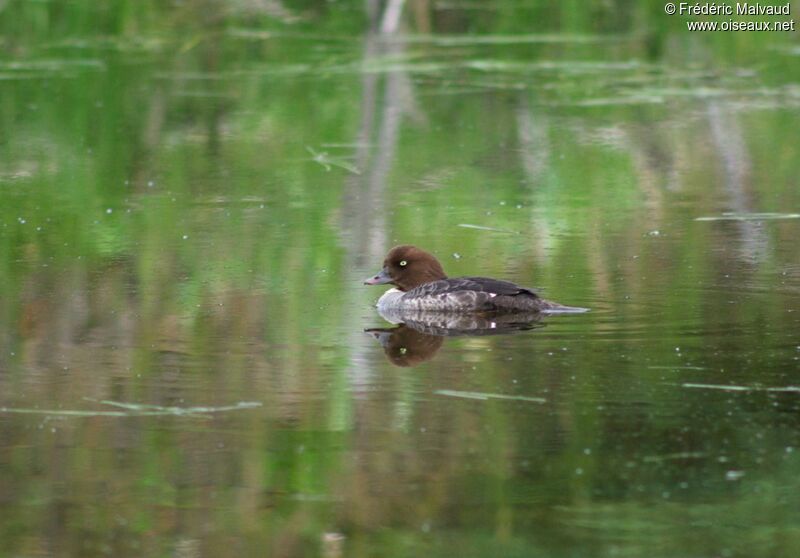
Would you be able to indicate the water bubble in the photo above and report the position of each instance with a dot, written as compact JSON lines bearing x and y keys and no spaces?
{"x":185,"y":237}
{"x":109,"y":211}
{"x":733,"y":475}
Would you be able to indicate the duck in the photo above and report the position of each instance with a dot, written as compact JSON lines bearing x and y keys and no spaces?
{"x":421,"y":285}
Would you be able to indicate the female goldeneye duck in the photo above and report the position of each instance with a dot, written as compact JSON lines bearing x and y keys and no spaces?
{"x":423,"y":286}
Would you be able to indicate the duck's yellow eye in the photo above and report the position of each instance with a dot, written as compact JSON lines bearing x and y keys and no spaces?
{"x":403,"y":263}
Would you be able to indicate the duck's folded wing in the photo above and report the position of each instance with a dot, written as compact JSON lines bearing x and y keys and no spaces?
{"x":469,"y":284}
{"x":500,"y":287}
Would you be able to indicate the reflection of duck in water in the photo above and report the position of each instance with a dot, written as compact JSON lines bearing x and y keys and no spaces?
{"x":423,"y":286}
{"x":421,"y":334}
{"x":405,"y":346}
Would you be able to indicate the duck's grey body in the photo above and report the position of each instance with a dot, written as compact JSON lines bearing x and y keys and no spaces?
{"x":469,"y":294}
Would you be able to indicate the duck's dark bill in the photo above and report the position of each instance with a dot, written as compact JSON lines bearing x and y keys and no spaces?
{"x":380,"y":279}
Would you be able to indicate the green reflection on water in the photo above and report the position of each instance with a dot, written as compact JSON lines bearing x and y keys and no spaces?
{"x":190,"y":197}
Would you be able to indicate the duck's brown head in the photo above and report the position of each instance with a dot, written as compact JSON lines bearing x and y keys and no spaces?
{"x":407,"y":267}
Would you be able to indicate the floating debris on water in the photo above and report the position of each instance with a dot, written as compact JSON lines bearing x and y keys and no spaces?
{"x":613,"y":101}
{"x":674,"y":456}
{"x":667,"y":367}
{"x":482,"y":228}
{"x":486,"y":396}
{"x":135,"y":410}
{"x":503,"y":39}
{"x":328,"y":161}
{"x":567,"y":66}
{"x":749,"y":217}
{"x":787,"y":389}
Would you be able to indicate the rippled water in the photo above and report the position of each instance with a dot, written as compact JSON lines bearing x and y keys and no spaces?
{"x":190,"y":364}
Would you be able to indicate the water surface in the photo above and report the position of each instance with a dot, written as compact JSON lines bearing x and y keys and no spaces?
{"x":189,"y":206}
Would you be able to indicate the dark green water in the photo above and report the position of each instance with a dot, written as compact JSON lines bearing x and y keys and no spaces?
{"x":191,"y":196}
